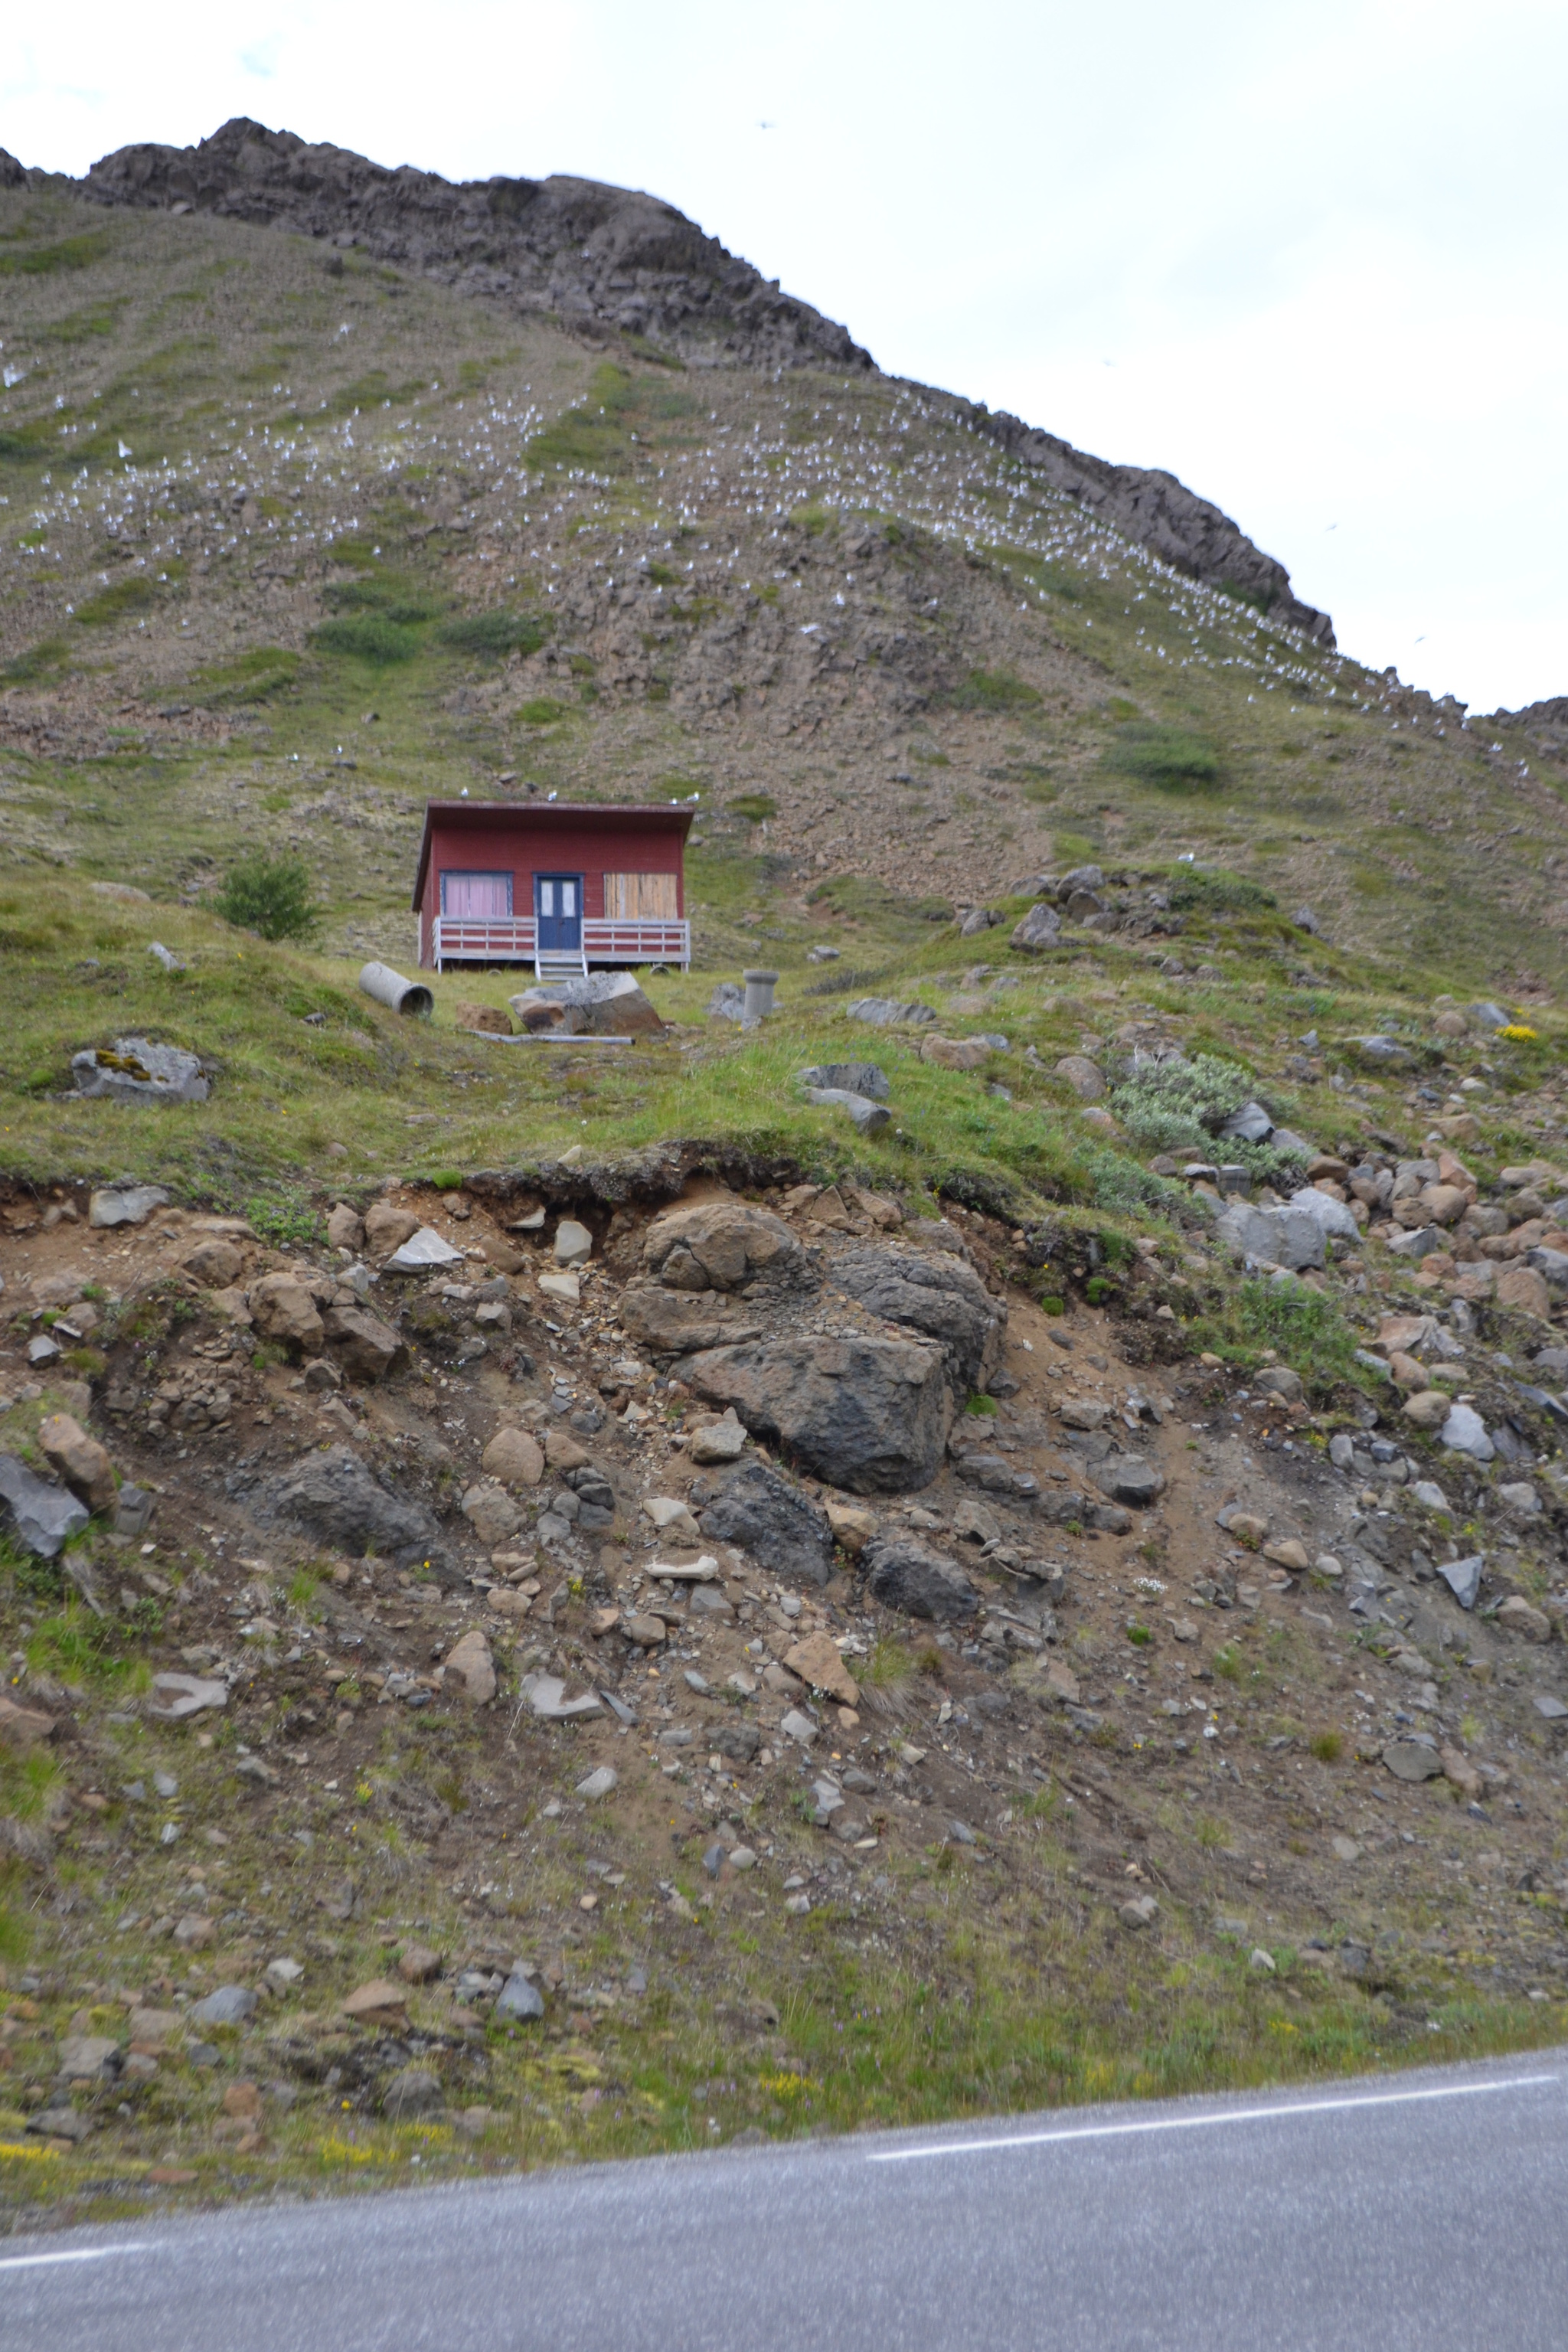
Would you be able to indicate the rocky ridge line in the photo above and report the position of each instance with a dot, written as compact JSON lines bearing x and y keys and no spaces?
{"x":601,"y":258}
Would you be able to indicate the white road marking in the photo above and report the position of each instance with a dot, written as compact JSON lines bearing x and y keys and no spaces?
{"x":1203,"y":2123}
{"x":74,"y":2254}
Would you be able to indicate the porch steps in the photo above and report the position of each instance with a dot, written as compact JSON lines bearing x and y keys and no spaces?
{"x":560,"y":963}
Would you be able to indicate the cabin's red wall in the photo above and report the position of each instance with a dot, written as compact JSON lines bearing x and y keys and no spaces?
{"x":531,"y":843}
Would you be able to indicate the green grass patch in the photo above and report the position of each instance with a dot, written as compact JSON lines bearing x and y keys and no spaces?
{"x":65,"y":253}
{"x":46,"y":660}
{"x":369,"y":637}
{"x":996,"y":691}
{"x":253,"y":677}
{"x":1305,"y":1329}
{"x":119,"y":603}
{"x":492,"y":635}
{"x":1165,"y":757}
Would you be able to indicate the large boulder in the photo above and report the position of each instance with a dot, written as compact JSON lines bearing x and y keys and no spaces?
{"x":753,"y":1506}
{"x":1040,"y":929}
{"x":674,"y":1322}
{"x":514,"y":1458}
{"x":718,"y":1245}
{"x":471,"y":1670}
{"x":283,"y":1310}
{"x":386,"y":1228}
{"x":1333,"y":1215}
{"x":493,"y":1514}
{"x":124,"y":1204}
{"x":134,"y":1071}
{"x":1294,"y":1238}
{"x":868,"y":1416}
{"x":79,"y":1459}
{"x":216,"y":1265}
{"x":907,"y":1575}
{"x":365,"y":1346}
{"x":939,"y":1296}
{"x":333,"y":1496}
{"x":600,"y":1004}
{"x":42,"y":1516}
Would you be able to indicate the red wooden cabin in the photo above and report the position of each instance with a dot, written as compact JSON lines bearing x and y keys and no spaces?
{"x":558,"y":885}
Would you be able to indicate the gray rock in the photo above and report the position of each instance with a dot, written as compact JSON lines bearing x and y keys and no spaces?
{"x":1421,"y":1243}
{"x":179,"y":1697}
{"x":89,"y":2058}
{"x":1522,"y":1498}
{"x":546,"y":1697}
{"x":132,"y":1511}
{"x":134,"y":1071}
{"x":42,"y":1514}
{"x":1412,"y":1759}
{"x":1127,"y":1478}
{"x":1281,"y":1381}
{"x":866,"y":1078}
{"x":867,"y":1117}
{"x":231,"y":2004}
{"x":937,"y":1295}
{"x":413,"y":2091}
{"x":1553,"y":1709}
{"x":1040,"y":929}
{"x":1333,"y":1215}
{"x":600,"y":1004}
{"x":1288,"y":1237}
{"x":739,"y":1740}
{"x":907,"y":1575}
{"x":599,"y":1783}
{"x":887,"y":1012}
{"x":1463,"y":1578}
{"x":333,"y":1496}
{"x":727,"y":1001}
{"x":421,"y":1250}
{"x":753,"y":1506}
{"x":1034,"y":886}
{"x":1552,"y":1265}
{"x":518,"y":1998}
{"x":1465,"y":1432}
{"x":867,"y":1414}
{"x":59,"y":2122}
{"x":124,"y":1204}
{"x":1250,"y":1124}
{"x":1342,"y":1450}
{"x":1487,"y":1016}
{"x":1382,"y":1052}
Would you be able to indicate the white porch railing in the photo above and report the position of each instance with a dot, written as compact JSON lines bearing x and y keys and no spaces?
{"x":456,"y":939}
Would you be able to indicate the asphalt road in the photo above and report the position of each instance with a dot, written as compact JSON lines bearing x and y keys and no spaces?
{"x":1424,"y":2211}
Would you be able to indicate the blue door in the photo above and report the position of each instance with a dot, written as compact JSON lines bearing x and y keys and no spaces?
{"x":558,"y":910}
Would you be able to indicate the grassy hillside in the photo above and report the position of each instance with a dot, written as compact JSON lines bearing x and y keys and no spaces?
{"x":368,"y":540}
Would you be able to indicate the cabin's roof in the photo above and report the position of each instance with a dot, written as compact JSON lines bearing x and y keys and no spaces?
{"x":543,"y":816}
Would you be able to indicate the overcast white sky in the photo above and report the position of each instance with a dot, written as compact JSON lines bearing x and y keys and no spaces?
{"x":1309,"y":260}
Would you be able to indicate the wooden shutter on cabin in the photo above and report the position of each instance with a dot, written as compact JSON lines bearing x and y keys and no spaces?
{"x":640,"y":897}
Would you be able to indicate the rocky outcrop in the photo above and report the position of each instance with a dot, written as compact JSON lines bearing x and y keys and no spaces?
{"x":753,"y":1506}
{"x":868,"y":1416}
{"x":939,"y":1296}
{"x":597,"y":256}
{"x":334,"y":1497}
{"x":907,"y":1575}
{"x":718,"y":1245}
{"x":1189,"y":533}
{"x":696,"y":1260}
